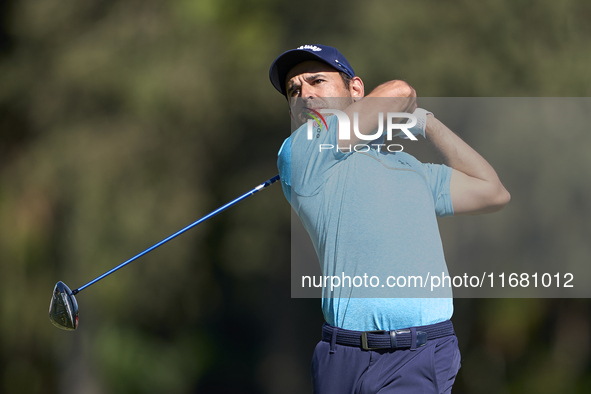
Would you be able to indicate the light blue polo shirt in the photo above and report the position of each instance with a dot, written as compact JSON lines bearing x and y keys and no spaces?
{"x":370,"y":214}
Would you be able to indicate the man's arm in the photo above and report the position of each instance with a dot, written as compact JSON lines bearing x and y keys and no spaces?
{"x":391,"y":96}
{"x":475,"y":187}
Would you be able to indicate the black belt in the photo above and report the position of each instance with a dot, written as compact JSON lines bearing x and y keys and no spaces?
{"x":408,"y":338}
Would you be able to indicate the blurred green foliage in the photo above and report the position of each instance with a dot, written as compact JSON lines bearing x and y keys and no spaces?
{"x":123,"y":121}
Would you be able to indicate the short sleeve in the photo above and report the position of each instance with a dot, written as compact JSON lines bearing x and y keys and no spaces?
{"x":305,"y":162}
{"x":439,"y":179}
{"x":284,"y":167}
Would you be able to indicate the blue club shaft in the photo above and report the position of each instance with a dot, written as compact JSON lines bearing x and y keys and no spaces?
{"x":263,"y":185}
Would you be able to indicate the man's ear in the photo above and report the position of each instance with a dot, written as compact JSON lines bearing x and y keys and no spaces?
{"x":356,"y":88}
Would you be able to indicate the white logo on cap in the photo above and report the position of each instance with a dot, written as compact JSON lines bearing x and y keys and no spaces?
{"x":312,"y":47}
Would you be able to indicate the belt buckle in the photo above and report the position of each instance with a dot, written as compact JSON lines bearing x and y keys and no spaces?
{"x":364,"y":345}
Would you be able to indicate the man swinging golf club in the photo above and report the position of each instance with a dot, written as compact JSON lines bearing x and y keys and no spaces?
{"x":63,"y":307}
{"x":374,"y":210}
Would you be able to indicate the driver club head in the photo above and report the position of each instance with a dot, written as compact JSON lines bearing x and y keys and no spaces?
{"x":63,"y":309}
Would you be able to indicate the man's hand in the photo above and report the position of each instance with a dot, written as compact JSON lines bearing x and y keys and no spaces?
{"x":419,"y":128}
{"x":392,"y":96}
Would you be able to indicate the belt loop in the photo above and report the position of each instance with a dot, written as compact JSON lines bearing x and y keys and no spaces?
{"x":413,"y":339}
{"x":333,"y":340}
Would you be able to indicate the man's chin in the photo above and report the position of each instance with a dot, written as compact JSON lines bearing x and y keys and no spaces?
{"x":308,"y":115}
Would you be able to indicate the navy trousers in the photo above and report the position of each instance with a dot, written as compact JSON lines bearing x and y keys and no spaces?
{"x":429,"y":369}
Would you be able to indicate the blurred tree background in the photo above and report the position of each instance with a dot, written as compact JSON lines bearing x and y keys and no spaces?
{"x":123,"y":121}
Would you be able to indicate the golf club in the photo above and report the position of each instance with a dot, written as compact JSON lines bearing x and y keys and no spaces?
{"x":63,"y":309}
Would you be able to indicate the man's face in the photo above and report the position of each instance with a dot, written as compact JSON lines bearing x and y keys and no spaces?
{"x":316,"y":85}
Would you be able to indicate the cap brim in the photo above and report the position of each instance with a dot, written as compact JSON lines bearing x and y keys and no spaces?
{"x":285,"y":62}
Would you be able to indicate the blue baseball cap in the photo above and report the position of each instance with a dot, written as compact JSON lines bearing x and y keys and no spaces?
{"x":288,"y":60}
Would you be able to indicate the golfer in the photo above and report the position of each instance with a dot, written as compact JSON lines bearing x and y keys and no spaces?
{"x":370,"y":209}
